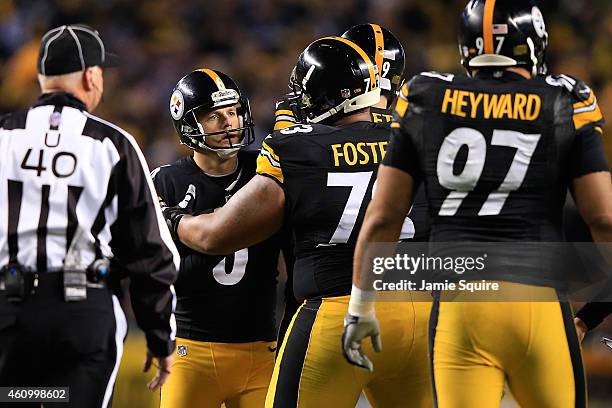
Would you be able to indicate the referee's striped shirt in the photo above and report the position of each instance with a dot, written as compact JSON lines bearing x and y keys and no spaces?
{"x":62,"y":169}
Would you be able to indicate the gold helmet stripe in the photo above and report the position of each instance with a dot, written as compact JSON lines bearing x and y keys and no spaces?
{"x":373,"y":82}
{"x":379,"y":42}
{"x":487,"y":26}
{"x":214,"y":77}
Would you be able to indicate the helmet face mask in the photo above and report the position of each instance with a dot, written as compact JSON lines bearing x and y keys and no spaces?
{"x":333,"y":77}
{"x":503,"y":34}
{"x":203,"y":91}
{"x":385,"y":50}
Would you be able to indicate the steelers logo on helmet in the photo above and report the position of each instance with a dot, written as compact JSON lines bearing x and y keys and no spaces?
{"x":177,"y":105}
{"x":538,"y":22}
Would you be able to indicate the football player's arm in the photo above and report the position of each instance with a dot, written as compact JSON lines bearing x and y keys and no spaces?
{"x":593,"y":195}
{"x":592,"y":190}
{"x":383,"y":223}
{"x":395,"y":184}
{"x":384,"y":217}
{"x":283,"y":115}
{"x":253,"y":214}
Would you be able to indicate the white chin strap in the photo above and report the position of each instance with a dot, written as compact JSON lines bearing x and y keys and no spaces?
{"x":223,"y":153}
{"x":227,"y":153}
{"x":365,"y":100}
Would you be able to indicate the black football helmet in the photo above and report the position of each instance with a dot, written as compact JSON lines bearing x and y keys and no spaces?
{"x":205,"y":90}
{"x":385,"y":50}
{"x":503,"y":34}
{"x":333,"y":77}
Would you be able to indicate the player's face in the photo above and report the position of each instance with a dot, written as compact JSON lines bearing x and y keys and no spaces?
{"x":220,"y":120}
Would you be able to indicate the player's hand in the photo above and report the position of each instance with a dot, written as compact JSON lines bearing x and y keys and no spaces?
{"x":581,"y":328}
{"x":173,"y":214}
{"x":355,"y":330}
{"x":163,"y":365}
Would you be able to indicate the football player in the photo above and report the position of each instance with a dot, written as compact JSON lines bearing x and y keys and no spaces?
{"x":496,"y":150}
{"x":384,"y":50}
{"x":319,"y":176}
{"x":226,"y":304}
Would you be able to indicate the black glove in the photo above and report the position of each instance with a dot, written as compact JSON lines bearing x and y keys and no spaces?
{"x":173,"y":214}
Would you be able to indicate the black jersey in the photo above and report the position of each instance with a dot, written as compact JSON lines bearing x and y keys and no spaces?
{"x":497,"y":152}
{"x":380,"y":115}
{"x":418,"y":213}
{"x":227,"y":299}
{"x":327,"y":174}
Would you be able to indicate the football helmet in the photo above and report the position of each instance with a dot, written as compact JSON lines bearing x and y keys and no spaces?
{"x":206,"y":90}
{"x":333,"y":77}
{"x":385,"y":50}
{"x":503,"y":34}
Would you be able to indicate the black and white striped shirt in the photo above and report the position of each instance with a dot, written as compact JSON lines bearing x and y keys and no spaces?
{"x":62,"y":169}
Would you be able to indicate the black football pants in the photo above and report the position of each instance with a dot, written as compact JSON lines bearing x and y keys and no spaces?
{"x":47,"y":342}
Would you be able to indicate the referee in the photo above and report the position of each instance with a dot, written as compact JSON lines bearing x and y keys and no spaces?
{"x":75,"y":195}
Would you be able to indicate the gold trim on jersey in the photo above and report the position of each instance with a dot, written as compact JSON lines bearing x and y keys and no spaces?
{"x":584,"y":118}
{"x":282,"y":124}
{"x":379,"y":42}
{"x":268,"y":163}
{"x":402,"y":102}
{"x":487,"y":26}
{"x":591,"y":100}
{"x":362,"y":54}
{"x":283,"y":112}
{"x":213,"y":75}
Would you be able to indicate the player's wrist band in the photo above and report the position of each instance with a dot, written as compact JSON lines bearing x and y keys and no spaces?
{"x":362,"y":302}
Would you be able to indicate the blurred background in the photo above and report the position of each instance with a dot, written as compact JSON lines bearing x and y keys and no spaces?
{"x":257,"y":43}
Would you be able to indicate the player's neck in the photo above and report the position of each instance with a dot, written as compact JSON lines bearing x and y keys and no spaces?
{"x":382,"y":104}
{"x":362,"y":115}
{"x":211,"y":164}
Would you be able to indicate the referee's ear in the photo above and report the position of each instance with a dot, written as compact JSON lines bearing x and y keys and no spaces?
{"x":88,"y":79}
{"x":93,"y":85}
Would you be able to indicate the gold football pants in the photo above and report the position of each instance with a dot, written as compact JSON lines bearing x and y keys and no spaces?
{"x":311,"y":371}
{"x":205,"y":375}
{"x":531,"y":344}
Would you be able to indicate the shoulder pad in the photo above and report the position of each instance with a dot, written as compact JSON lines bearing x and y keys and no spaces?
{"x":156,"y":171}
{"x":298,"y":129}
{"x":436,"y":75}
{"x":579,"y":91}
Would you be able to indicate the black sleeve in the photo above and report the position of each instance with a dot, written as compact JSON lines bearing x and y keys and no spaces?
{"x":593,"y":313}
{"x":402,"y":151}
{"x":142,"y":243}
{"x":402,"y":154}
{"x":588,"y":155}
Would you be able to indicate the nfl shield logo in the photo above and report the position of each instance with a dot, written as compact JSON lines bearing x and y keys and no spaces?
{"x":181,"y":350}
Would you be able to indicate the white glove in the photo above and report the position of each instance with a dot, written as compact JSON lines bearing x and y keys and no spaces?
{"x":355,"y":330}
